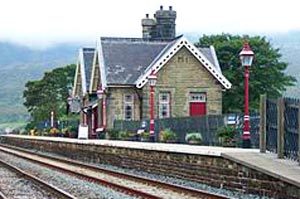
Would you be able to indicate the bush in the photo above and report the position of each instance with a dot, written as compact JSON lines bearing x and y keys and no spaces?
{"x":226,"y":135}
{"x":124,"y":135}
{"x":193,"y":137}
{"x":145,"y":136}
{"x":167,"y":135}
{"x":226,"y":132}
{"x":112,"y":134}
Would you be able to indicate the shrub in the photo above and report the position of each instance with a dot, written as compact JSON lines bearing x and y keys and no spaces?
{"x":145,"y":136}
{"x":226,"y":132}
{"x":167,"y":135}
{"x":124,"y":135}
{"x":226,"y":136}
{"x":193,"y":137}
{"x":112,"y":134}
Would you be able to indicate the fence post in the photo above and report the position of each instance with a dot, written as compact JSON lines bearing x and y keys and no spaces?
{"x":298,"y":132}
{"x":262,"y":126}
{"x":280,"y":128}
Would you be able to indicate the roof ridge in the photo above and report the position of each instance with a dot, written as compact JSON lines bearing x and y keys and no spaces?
{"x":133,"y":39}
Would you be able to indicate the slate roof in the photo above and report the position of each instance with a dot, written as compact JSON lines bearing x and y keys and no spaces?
{"x":207,"y":52}
{"x":88,"y":56}
{"x":126,"y":59}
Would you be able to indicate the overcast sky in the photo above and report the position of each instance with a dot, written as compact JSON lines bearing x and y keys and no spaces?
{"x":44,"y":22}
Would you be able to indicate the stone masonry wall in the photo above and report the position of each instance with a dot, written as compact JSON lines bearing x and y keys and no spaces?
{"x":211,"y":170}
{"x":115,"y":105}
{"x":182,"y":75}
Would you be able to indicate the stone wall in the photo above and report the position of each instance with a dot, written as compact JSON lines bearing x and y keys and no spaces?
{"x":182,"y":75}
{"x":212,"y":170}
{"x":116,"y":107}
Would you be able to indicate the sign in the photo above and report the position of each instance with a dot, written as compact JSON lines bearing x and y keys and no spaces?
{"x":83,"y":132}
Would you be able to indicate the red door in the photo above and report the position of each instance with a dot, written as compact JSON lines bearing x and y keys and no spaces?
{"x":197,"y":108}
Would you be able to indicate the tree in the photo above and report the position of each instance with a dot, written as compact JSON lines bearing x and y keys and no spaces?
{"x":266,"y":73}
{"x":49,"y":94}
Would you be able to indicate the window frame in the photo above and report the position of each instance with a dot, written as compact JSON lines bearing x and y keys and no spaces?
{"x":198,"y":97}
{"x":164,"y":103}
{"x":129,"y":103}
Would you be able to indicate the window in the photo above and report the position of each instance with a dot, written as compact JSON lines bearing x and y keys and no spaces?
{"x":164,"y":105}
{"x":128,"y":107}
{"x":197,"y":97}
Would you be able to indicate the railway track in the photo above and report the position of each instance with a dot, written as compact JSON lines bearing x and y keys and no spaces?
{"x":29,"y":186}
{"x":137,"y":186}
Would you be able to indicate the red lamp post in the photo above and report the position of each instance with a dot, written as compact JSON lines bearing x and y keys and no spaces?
{"x":152,"y":82}
{"x":246,"y":57}
{"x":100,"y":95}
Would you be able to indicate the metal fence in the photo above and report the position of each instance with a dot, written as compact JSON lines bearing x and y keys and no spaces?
{"x":271,"y":125}
{"x":291,"y":127}
{"x":206,"y":125}
{"x":282,"y":129}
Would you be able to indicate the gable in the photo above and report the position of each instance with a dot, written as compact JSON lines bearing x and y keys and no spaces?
{"x":180,"y":43}
{"x":95,"y":76}
{"x":184,"y":71}
{"x":77,"y":85}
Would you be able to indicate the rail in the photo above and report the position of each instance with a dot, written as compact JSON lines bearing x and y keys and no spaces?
{"x":194,"y":193}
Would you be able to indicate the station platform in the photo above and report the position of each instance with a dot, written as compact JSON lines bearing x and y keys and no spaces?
{"x":267,"y":163}
{"x":165,"y":147}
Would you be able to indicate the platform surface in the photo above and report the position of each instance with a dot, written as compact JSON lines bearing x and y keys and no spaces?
{"x":177,"y":148}
{"x":268,"y":163}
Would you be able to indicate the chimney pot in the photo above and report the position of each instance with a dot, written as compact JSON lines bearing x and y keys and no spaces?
{"x":161,"y":7}
{"x":147,"y":16}
{"x":154,"y":15}
{"x":170,"y":7}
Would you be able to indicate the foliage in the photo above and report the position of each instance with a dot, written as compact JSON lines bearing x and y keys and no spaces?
{"x":49,"y":94}
{"x":145,"y":135}
{"x":266,"y":74}
{"x":193,"y":137}
{"x":112,"y":134}
{"x":124,"y":135}
{"x":226,"y":132}
{"x":167,"y":135}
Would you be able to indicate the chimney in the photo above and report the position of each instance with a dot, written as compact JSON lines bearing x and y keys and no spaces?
{"x":165,"y":24}
{"x":148,"y":25}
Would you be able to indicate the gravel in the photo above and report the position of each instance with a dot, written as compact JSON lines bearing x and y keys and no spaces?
{"x":186,"y":183}
{"x":182,"y":182}
{"x":71,"y":184}
{"x":13,"y":185}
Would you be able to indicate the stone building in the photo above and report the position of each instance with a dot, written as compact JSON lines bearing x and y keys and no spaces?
{"x":189,"y":79}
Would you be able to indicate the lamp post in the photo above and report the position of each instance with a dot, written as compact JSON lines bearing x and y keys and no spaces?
{"x":246,"y":57}
{"x":152,"y":82}
{"x":100,"y":95}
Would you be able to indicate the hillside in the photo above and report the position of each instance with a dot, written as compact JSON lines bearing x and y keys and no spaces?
{"x":289,"y":45}
{"x":19,"y":64}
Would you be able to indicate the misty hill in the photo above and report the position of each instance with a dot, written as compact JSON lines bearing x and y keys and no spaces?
{"x":18,"y":64}
{"x":289,"y":45}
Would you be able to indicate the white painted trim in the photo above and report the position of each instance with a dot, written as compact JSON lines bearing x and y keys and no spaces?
{"x":101,"y":64}
{"x":214,"y":55}
{"x":83,"y":76}
{"x":75,"y":79}
{"x":94,"y":105}
{"x":183,"y":42}
{"x":93,"y":71}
